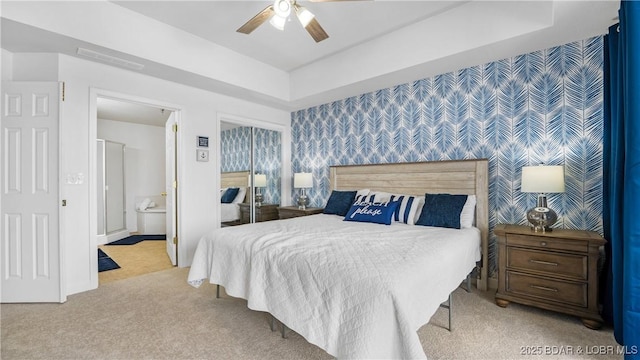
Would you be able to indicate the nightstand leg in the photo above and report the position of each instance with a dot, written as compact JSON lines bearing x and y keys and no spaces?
{"x":592,"y":324}
{"x":502,"y":303}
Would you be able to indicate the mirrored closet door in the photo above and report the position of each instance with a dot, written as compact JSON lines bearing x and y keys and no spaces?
{"x":251,"y":162}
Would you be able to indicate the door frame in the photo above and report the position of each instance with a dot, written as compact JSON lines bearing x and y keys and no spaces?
{"x":94,"y":94}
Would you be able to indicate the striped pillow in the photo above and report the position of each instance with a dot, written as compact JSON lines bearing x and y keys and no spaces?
{"x":408,"y":208}
{"x":364,"y":199}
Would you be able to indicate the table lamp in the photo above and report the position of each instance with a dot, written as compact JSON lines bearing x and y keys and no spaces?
{"x":259,"y":181}
{"x":542,"y":179}
{"x":303,"y":181}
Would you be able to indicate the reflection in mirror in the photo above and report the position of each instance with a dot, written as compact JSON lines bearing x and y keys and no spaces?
{"x":267,"y":159}
{"x":235,"y":147}
{"x":235,"y":163}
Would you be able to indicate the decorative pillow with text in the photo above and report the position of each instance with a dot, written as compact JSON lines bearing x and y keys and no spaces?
{"x":378,"y":213}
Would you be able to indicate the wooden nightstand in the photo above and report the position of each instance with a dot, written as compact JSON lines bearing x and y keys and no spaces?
{"x":556,"y":270}
{"x":265,"y":212}
{"x":286,"y":212}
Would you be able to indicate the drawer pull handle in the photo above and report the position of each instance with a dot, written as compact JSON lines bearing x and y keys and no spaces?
{"x":543,"y":262}
{"x":543,"y":288}
{"x":543,"y":243}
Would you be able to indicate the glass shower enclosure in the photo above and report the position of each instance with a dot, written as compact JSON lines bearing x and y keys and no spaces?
{"x":111,"y":190}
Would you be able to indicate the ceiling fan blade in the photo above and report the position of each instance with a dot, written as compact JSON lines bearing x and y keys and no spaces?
{"x":316,"y":31}
{"x":257,"y":20}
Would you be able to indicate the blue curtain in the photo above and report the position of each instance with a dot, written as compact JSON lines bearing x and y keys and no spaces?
{"x":622,"y":176}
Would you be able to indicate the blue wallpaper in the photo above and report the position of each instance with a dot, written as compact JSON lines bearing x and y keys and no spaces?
{"x":541,"y":107}
{"x":236,"y":147}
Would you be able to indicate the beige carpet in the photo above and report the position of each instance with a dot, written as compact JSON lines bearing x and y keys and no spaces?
{"x":159,"y":316}
{"x":142,"y":258}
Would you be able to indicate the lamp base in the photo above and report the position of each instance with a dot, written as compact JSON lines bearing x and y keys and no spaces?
{"x":259,"y":199}
{"x":303,"y":201}
{"x":541,"y":219}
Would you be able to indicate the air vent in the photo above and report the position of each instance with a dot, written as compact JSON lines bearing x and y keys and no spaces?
{"x":110,"y":59}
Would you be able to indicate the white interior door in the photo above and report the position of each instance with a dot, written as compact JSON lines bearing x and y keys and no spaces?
{"x":171,"y":132}
{"x":30,"y":248}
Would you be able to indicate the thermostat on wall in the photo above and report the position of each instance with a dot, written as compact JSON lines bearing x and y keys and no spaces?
{"x":203,"y":141}
{"x":202,"y":155}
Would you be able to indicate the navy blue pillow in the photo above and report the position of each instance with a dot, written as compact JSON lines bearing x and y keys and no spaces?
{"x":379,"y":213}
{"x":229,"y":195}
{"x":339,"y":202}
{"x":442,"y":210}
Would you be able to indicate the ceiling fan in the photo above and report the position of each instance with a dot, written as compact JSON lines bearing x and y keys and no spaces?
{"x":279,"y":12}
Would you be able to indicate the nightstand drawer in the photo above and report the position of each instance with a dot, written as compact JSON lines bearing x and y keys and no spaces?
{"x":546,"y":289}
{"x":557,"y":264}
{"x":543,"y":242}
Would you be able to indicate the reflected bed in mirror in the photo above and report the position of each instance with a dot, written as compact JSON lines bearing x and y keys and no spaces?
{"x":230,"y":212}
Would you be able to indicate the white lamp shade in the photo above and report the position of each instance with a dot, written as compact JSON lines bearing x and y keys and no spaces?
{"x":302,"y":180}
{"x":260,"y":180}
{"x":543,"y":179}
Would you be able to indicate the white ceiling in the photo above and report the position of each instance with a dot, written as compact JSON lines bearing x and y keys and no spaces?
{"x":348,"y":23}
{"x":372,"y":44}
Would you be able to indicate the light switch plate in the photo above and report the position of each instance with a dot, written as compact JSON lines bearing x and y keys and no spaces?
{"x":202,"y":155}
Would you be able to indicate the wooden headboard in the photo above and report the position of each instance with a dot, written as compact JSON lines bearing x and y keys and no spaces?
{"x":465,"y":177}
{"x":237,"y":179}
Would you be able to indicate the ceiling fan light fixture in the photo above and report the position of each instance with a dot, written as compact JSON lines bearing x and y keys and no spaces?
{"x":282,"y":8}
{"x":305,"y":16}
{"x":278,"y":22}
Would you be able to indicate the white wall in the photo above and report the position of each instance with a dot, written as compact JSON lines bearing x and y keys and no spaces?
{"x":144,"y":160}
{"x":6,"y":60}
{"x":197,"y":181}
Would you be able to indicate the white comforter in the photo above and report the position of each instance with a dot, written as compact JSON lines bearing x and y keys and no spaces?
{"x":229,"y":212}
{"x":357,"y":290}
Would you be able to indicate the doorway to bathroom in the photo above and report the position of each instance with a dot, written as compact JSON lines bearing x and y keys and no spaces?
{"x":135,"y":193}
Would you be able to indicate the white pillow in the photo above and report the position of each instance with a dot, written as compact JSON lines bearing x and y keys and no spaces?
{"x":362,"y":195}
{"x":381,"y":196}
{"x":363,"y":192}
{"x":467,"y":215}
{"x":240,"y":197}
{"x":363,"y":199}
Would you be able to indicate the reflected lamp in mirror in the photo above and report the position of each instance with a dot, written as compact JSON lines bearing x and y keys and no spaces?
{"x":542,"y":179}
{"x":303,"y":181}
{"x":260,"y":181}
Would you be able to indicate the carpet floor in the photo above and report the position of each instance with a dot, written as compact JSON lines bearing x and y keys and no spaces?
{"x":159,"y":316}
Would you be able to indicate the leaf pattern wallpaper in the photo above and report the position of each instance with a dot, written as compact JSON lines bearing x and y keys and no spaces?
{"x":235,"y":149}
{"x":542,"y":107}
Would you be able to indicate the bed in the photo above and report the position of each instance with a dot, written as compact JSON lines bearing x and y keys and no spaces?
{"x":356,"y":290}
{"x":230,"y":212}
